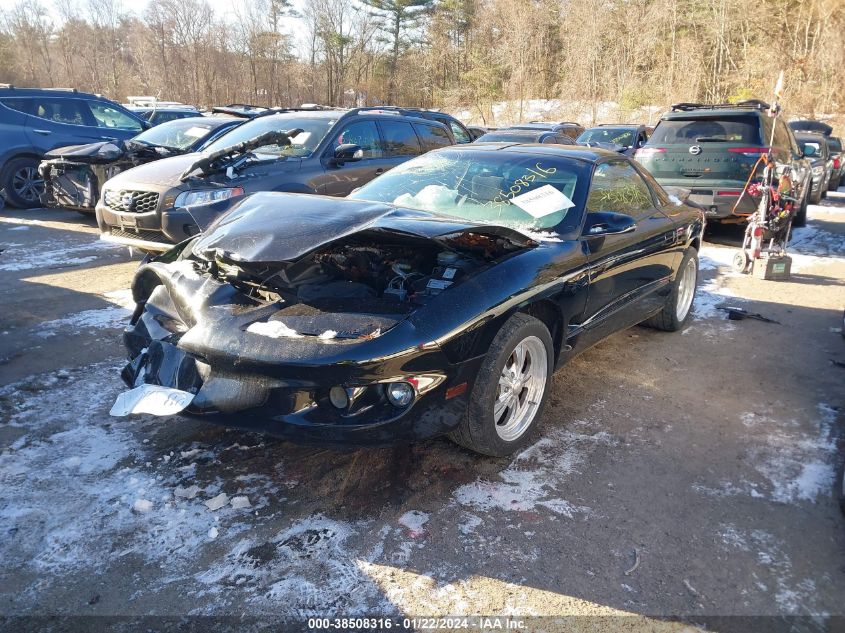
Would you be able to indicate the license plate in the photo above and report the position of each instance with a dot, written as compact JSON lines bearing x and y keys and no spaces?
{"x":128,"y":221}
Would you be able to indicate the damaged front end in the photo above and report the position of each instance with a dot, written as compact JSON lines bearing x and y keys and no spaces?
{"x":74,"y":176}
{"x":337,"y":342}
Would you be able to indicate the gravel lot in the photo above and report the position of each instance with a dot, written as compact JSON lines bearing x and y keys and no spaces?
{"x":686,"y":475}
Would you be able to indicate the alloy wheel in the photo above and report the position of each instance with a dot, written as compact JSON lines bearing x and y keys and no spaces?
{"x":28,"y":184}
{"x":519,"y":393}
{"x":686,"y":290}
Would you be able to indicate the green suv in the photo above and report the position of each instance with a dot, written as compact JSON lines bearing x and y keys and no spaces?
{"x":711,"y":150}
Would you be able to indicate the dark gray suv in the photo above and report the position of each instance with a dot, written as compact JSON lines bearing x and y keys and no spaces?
{"x":34,"y":121}
{"x":316,"y":151}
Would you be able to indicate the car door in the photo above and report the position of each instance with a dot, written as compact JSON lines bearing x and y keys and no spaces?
{"x":341,"y":179}
{"x":399,"y":142}
{"x":57,"y":122}
{"x":629,"y":273}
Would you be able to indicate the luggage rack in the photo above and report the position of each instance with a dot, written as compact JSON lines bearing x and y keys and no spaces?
{"x":756,"y":104}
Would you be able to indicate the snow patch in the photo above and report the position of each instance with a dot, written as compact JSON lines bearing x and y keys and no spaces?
{"x":273,"y":329}
{"x":415,"y":522}
{"x":534,"y":476}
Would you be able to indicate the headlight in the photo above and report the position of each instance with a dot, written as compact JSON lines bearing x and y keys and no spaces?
{"x":817,"y":171}
{"x":193,"y":198}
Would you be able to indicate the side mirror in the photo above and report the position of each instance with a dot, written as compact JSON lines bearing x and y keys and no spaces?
{"x":604,"y":223}
{"x":810,"y":151}
{"x":347,"y":153}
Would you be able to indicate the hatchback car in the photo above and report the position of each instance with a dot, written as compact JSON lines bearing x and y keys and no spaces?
{"x":509,"y":135}
{"x":834,"y":146}
{"x":572,"y":130}
{"x":628,"y":138}
{"x":712,"y":149}
{"x":34,"y":121}
{"x":322,"y":151}
{"x":437,"y":299}
{"x":815,"y":148}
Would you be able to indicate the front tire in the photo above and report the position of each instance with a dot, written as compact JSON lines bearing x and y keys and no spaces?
{"x":678,"y":306}
{"x":511,"y":391}
{"x":801,"y":217}
{"x":22,"y":183}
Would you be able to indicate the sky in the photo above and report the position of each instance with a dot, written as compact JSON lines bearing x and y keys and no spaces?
{"x":221,"y":9}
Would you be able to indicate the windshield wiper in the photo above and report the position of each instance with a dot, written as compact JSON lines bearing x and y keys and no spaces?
{"x":208,"y":163}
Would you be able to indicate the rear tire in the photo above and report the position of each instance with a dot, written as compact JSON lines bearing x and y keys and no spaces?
{"x":510,"y":394}
{"x":22,"y":183}
{"x":679,"y":305}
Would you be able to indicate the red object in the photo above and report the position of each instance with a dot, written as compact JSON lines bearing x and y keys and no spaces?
{"x":727,"y":193}
{"x":836,"y":163}
{"x":758,"y":231}
{"x":455,"y":391}
{"x":649,"y":151}
{"x":749,"y":150}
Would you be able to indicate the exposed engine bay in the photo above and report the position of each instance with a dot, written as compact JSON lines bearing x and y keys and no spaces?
{"x":364,"y":274}
{"x":73,"y":176}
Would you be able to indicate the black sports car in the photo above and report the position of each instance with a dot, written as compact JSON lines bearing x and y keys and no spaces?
{"x":74,"y":175}
{"x":439,"y":298}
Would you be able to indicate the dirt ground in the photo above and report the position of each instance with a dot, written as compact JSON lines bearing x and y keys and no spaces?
{"x":685,"y":475}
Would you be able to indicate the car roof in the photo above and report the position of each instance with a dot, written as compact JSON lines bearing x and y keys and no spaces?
{"x":215,"y":121}
{"x":586,"y":154}
{"x":815,"y":136}
{"x":511,"y":131}
{"x":711,"y":113}
{"x":633,"y":126}
{"x":7,"y":90}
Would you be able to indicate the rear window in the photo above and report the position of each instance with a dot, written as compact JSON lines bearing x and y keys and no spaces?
{"x":432,"y":137}
{"x":739,"y":129}
{"x":834,"y":144}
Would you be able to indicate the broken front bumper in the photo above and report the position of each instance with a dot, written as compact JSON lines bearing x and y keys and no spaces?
{"x":191,"y":335}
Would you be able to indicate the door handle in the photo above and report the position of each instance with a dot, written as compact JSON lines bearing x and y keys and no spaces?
{"x":43,"y":132}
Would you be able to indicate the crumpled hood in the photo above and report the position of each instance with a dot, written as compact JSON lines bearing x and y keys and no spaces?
{"x":161,"y":172}
{"x":274,"y":227}
{"x":89,"y":153}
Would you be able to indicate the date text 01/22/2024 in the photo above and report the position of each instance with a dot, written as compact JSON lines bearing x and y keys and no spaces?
{"x":476,"y":623}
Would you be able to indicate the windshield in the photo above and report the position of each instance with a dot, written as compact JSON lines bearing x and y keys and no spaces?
{"x":615,"y":135}
{"x":520,"y":190}
{"x":738,"y":129}
{"x":302,"y":145}
{"x":180,"y":134}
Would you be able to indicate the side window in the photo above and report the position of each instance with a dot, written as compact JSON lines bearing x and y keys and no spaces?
{"x":364,"y":134}
{"x":781,"y":137}
{"x":21,"y":105}
{"x":108,"y":116}
{"x":460,"y":135}
{"x":659,"y":192}
{"x":67,"y":111}
{"x":563,"y":139}
{"x":399,"y":139}
{"x":432,"y":137}
{"x":617,"y":186}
